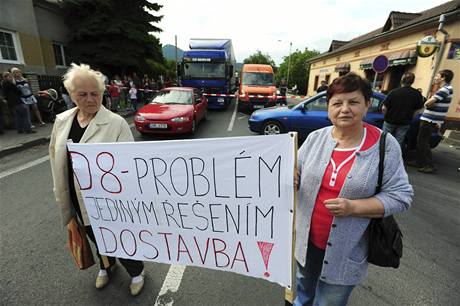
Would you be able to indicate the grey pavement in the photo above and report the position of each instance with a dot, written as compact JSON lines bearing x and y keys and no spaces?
{"x":37,"y":268}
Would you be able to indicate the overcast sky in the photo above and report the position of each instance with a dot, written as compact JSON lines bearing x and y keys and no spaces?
{"x":270,"y":26}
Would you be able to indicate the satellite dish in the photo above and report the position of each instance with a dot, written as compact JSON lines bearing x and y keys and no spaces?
{"x":427,"y":46}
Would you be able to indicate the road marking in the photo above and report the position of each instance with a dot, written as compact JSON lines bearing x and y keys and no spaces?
{"x":230,"y":125}
{"x":31,"y":164}
{"x":24,"y":167}
{"x":170,"y":285}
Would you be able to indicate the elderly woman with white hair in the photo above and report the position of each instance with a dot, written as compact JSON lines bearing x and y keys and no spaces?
{"x":88,"y":122}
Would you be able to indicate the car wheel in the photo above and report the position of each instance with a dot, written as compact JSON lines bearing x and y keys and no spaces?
{"x":272,"y":128}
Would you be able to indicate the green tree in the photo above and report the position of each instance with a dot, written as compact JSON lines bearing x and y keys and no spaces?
{"x":259,"y":58}
{"x":299,"y":69}
{"x":113,"y":35}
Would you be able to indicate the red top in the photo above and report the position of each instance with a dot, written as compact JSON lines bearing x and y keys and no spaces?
{"x":321,"y":218}
{"x":114,"y":90}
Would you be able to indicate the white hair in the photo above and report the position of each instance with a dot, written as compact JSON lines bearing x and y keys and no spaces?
{"x":82,"y":71}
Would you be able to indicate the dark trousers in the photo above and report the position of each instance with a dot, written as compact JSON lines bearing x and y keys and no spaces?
{"x":22,"y":117}
{"x":134,"y":267}
{"x":425,"y":130}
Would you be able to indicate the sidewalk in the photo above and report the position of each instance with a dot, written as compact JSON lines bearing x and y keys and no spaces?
{"x":12,"y":142}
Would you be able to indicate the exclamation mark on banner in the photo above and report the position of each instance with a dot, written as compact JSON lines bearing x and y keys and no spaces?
{"x":265,"y":249}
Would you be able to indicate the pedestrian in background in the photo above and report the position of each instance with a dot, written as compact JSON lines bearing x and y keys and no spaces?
{"x":323,"y":87}
{"x":431,"y":120}
{"x":16,"y":104}
{"x":26,"y":94}
{"x":65,"y":96}
{"x":88,"y":122}
{"x":283,"y":92}
{"x":399,"y":108}
{"x":133,"y":97}
{"x":337,"y":179}
{"x":114,"y":91}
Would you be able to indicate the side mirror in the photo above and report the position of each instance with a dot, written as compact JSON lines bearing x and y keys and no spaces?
{"x":303,"y":108}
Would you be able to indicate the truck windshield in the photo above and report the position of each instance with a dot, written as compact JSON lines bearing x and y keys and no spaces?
{"x":256,"y":78}
{"x":204,"y":70}
{"x":173,"y":97}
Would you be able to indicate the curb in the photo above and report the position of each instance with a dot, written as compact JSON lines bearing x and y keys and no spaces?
{"x":23,"y":146}
{"x":38,"y":141}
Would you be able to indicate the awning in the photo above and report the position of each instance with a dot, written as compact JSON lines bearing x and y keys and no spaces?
{"x":367,"y":63}
{"x":343,"y":67}
{"x":405,"y":57}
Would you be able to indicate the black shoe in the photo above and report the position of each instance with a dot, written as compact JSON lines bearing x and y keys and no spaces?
{"x":30,"y":132}
{"x":427,"y":169}
{"x":412,"y":163}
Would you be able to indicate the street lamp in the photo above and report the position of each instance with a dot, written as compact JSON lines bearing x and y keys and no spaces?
{"x":289,"y":64}
{"x":289,"y":61}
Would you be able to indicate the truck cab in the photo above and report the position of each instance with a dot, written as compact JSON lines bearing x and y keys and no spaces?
{"x":257,"y":87}
{"x":208,"y":66}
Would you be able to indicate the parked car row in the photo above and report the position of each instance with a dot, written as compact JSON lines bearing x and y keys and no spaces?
{"x":311,"y":114}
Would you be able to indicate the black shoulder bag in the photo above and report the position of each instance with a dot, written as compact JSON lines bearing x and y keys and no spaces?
{"x":385,"y":237}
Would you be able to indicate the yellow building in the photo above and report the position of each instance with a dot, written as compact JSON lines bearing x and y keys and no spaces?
{"x":397,"y":40}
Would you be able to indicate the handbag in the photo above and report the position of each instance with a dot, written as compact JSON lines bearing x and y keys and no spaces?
{"x":79,"y":247}
{"x":385,"y":237}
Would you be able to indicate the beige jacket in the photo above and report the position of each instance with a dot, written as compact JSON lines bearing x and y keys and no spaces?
{"x":105,"y":127}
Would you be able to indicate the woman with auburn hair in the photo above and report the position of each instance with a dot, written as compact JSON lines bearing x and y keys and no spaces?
{"x":337,"y":179}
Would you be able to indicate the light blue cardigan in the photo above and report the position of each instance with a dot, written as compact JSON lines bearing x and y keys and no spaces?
{"x":347,"y":253}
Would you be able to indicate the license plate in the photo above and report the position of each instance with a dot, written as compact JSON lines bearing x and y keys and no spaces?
{"x":158,"y":125}
{"x":258,"y":106}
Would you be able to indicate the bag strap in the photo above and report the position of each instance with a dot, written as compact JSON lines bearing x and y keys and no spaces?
{"x":382,"y":141}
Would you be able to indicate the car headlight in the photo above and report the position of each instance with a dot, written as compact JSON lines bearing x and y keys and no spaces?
{"x":139,"y":118}
{"x":180,"y":119}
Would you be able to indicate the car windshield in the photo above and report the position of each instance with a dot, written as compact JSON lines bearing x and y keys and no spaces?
{"x":173,"y":97}
{"x":257,"y":79}
{"x":204,"y":70}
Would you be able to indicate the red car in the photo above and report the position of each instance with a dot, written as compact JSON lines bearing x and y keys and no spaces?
{"x":174,"y":110}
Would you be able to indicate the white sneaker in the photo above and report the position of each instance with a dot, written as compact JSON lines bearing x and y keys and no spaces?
{"x":102,"y":278}
{"x":137,"y":283}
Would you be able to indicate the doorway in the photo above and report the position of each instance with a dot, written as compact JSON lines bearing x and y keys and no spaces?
{"x":396,"y":73}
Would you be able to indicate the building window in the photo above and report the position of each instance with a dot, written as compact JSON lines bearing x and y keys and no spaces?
{"x":59,"y":55}
{"x":384,"y":46}
{"x":9,"y":47}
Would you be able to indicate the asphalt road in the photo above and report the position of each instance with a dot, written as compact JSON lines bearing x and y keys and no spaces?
{"x":36,"y":268}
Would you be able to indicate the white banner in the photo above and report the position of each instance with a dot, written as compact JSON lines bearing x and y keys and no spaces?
{"x":224,"y":204}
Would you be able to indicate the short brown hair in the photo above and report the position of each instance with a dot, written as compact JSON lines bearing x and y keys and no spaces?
{"x":408,"y":78}
{"x":447,"y":75}
{"x":348,"y":83}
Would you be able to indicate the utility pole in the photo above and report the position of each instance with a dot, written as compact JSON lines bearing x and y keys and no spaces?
{"x":175,"y":63}
{"x":289,"y":64}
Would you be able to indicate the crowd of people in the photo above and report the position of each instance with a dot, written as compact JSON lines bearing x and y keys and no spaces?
{"x":17,"y":101}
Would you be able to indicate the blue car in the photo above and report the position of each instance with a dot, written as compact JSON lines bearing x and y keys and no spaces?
{"x":311,"y":114}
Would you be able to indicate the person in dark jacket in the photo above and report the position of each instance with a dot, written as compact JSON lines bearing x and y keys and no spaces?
{"x":399,"y":108}
{"x":323,"y":87}
{"x":15,"y":103}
